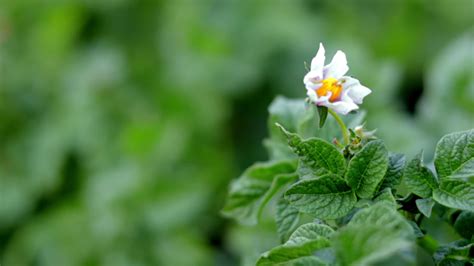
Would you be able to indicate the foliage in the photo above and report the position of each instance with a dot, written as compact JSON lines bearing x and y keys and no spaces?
{"x":359,"y":217}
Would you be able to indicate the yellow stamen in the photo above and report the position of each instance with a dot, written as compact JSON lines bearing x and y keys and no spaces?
{"x":330,"y":85}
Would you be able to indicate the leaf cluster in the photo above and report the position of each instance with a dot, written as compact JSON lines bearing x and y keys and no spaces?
{"x":366,"y":207}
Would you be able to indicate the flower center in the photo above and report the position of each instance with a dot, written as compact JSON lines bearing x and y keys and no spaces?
{"x":330,"y":85}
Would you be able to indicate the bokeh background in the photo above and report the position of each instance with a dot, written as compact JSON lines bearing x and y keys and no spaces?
{"x":123,"y":121}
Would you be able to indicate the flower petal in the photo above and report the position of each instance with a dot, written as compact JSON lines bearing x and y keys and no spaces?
{"x":338,"y":66}
{"x":318,"y":100}
{"x":313,"y":85}
{"x":354,"y":89}
{"x":312,"y":95}
{"x":342,"y":107}
{"x":323,"y":99}
{"x":312,"y":77}
{"x":317,"y":64}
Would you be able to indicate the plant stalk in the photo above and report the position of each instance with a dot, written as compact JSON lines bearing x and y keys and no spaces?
{"x":345,"y":134}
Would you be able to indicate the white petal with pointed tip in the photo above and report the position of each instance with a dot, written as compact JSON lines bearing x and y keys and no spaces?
{"x":317,"y":64}
{"x":338,"y":66}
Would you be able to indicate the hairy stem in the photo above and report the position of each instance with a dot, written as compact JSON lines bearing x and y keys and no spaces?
{"x":345,"y":134}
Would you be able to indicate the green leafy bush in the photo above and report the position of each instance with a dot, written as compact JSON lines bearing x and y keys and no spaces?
{"x":365,"y":205}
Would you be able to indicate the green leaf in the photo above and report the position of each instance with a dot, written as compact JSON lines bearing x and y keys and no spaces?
{"x":287,"y":112}
{"x":367,"y":168}
{"x":363,"y":203}
{"x":454,"y":155}
{"x":386,"y":196}
{"x":465,"y":171}
{"x":454,"y":253}
{"x":302,"y":243}
{"x":323,"y":114}
{"x":425,"y":206}
{"x":385,"y":215}
{"x":464,"y":224}
{"x":327,"y":255}
{"x":393,"y":176}
{"x":418,"y":178}
{"x":317,"y":154}
{"x":455,"y":193}
{"x":293,"y":114}
{"x":299,"y":261}
{"x":327,"y":197}
{"x":373,"y":234}
{"x":304,"y":171}
{"x":416,"y":229}
{"x":249,"y":193}
{"x":287,"y":218}
{"x":278,"y":182}
{"x":278,"y":150}
{"x":310,"y":231}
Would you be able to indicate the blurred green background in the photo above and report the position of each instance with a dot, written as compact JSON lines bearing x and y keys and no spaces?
{"x":123,"y":121}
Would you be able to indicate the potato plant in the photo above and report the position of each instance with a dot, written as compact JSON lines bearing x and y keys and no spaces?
{"x":340,"y":197}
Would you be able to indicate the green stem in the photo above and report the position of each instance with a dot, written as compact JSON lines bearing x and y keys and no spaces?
{"x":343,"y":127}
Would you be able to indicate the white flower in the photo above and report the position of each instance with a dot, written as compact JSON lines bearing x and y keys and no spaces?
{"x":327,"y":85}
